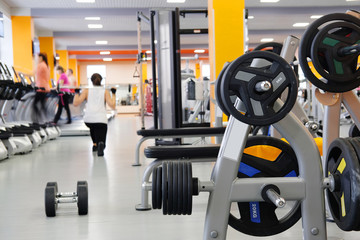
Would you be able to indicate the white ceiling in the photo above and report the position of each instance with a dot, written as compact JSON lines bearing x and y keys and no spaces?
{"x":65,"y":20}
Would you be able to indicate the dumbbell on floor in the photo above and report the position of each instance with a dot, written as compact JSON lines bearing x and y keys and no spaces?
{"x":53,"y":198}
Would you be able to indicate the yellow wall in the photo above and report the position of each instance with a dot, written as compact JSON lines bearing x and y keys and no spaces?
{"x":226,"y":36}
{"x":47,"y":46}
{"x":22,"y":35}
{"x":64,"y":60}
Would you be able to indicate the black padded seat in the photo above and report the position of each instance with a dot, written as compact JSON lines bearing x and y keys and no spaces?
{"x":182,"y":151}
{"x":5,"y":135}
{"x":180,"y":131}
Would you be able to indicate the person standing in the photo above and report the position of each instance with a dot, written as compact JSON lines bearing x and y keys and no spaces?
{"x":95,"y":116}
{"x":71,"y":77}
{"x":42,"y":78}
{"x":63,"y":95}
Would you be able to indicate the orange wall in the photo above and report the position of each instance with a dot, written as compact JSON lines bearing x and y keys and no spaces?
{"x":22,"y":35}
{"x":47,"y":46}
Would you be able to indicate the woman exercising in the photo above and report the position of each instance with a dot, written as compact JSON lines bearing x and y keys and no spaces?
{"x":95,"y":116}
{"x":63,"y":96}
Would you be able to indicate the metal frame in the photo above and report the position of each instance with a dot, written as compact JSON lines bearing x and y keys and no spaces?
{"x":226,"y":188}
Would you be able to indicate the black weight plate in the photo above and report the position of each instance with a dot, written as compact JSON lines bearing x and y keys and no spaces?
{"x":175,"y":188}
{"x":185,"y":189}
{"x":53,"y":184}
{"x":217,"y":91}
{"x":158,"y":187}
{"x":261,"y":218}
{"x":154,"y":189}
{"x":180,"y":201}
{"x":325,"y":53}
{"x":164,"y":188}
{"x":274,"y":47}
{"x":50,"y":201}
{"x":240,"y":79}
{"x":305,"y":51}
{"x":344,"y":204}
{"x":355,"y":142}
{"x":190,"y":188}
{"x":170,"y":188}
{"x":354,"y":131}
{"x":82,"y":199}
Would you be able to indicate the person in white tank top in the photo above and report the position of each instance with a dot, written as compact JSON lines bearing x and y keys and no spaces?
{"x":95,"y":111}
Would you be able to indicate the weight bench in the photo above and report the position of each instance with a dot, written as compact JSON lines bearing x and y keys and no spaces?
{"x":174,"y":133}
{"x":193,"y":153}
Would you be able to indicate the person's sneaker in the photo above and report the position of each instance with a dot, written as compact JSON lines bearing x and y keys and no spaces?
{"x":100,"y":149}
{"x":95,"y":148}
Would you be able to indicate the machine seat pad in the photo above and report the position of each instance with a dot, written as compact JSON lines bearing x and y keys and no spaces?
{"x":182,"y":151}
{"x":180,"y":131}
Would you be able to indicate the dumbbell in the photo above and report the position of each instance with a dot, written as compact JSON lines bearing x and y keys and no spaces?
{"x":53,"y":198}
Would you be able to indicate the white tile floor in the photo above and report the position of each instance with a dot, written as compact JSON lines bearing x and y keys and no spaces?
{"x":114,"y":190}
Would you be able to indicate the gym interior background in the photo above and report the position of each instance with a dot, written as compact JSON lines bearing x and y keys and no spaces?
{"x":191,"y":41}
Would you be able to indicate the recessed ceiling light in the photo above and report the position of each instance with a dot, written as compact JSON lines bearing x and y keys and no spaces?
{"x":95,"y":26}
{"x":300,"y":24}
{"x":85,"y":1}
{"x":92,"y":18}
{"x":176,"y":1}
{"x":352,"y":0}
{"x":101,"y":42}
{"x":199,"y":50}
{"x":316,"y":16}
{"x":107,"y":59}
{"x":148,"y":51}
{"x":105,"y":53}
{"x":266,"y":40}
{"x":269,"y":1}
{"x":251,"y":17}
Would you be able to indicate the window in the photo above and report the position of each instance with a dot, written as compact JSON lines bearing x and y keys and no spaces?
{"x":100,"y":69}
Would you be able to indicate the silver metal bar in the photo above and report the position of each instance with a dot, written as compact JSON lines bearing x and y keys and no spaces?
{"x":291,"y":188}
{"x":275,"y":198}
{"x":310,"y":169}
{"x":66,"y":194}
{"x":67,"y":200}
{"x":263,"y":86}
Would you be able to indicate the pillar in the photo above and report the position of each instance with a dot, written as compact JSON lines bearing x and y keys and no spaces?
{"x":22,"y":35}
{"x":47,"y":46}
{"x":226,"y":36}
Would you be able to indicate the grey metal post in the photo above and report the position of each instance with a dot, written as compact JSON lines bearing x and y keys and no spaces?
{"x":140,"y":77}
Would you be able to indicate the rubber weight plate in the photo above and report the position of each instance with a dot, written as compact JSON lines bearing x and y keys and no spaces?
{"x":336,"y":81}
{"x":266,"y":157}
{"x":156,"y":199}
{"x":217,"y":91}
{"x":325,"y":49}
{"x":344,"y":202}
{"x":82,"y":191}
{"x":164,"y":187}
{"x":50,"y":201}
{"x":354,"y":131}
{"x":241,"y":79}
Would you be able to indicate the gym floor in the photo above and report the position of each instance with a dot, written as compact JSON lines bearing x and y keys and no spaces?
{"x":114,"y":190}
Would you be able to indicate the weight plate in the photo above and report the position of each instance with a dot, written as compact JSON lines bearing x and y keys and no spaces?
{"x":354,"y":131}
{"x":355,"y":142}
{"x":185,"y":189}
{"x":180,"y":201}
{"x":325,"y":49}
{"x":175,"y":188}
{"x":190,"y":188}
{"x":50,"y":201}
{"x":164,"y":188}
{"x":158,"y":187}
{"x":217,"y":91}
{"x":154,"y":189}
{"x":170,"y":188}
{"x":241,"y":79}
{"x":266,"y":157}
{"x":274,"y":47}
{"x":305,"y":53}
{"x":344,"y":203}
{"x":82,"y":199}
{"x":53,"y":184}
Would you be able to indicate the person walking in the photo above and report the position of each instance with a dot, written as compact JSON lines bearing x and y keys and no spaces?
{"x":63,"y":95}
